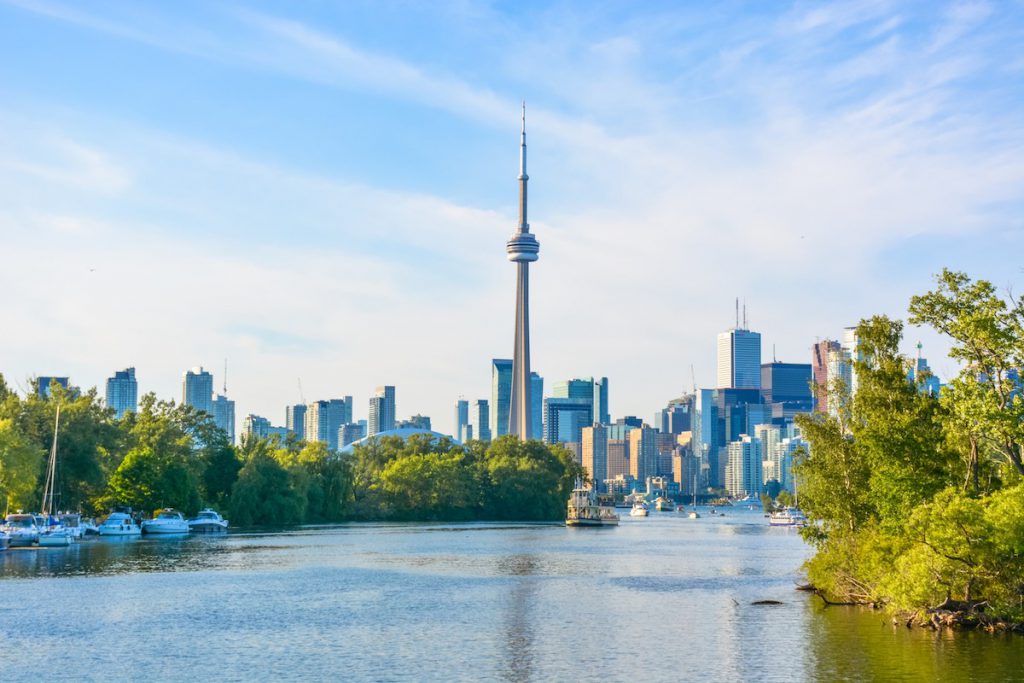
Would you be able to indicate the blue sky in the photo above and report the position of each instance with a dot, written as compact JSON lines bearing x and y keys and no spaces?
{"x":323,"y":190}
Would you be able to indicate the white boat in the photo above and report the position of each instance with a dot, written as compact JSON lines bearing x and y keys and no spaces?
{"x":22,"y":530}
{"x":640,"y":509}
{"x":72,"y":523}
{"x":208,"y":521}
{"x":119,"y":524}
{"x":55,"y":537}
{"x":584,"y":510}
{"x":694,"y":514}
{"x":662,"y":504}
{"x":787,"y":517}
{"x":167,"y":521}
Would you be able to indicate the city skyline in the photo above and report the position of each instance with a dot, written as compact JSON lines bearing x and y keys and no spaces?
{"x":828,"y":179}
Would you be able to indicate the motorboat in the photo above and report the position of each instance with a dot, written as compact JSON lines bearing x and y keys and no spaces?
{"x":167,"y":521}
{"x":22,"y":529}
{"x":789,"y":516}
{"x":584,"y":510}
{"x":208,"y":521}
{"x":639,"y":509}
{"x":72,"y":523}
{"x":694,"y":514}
{"x":55,"y":536}
{"x":5,"y":540}
{"x":662,"y":504}
{"x":119,"y":524}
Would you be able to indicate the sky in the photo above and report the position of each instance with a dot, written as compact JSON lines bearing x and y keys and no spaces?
{"x":321,"y":192}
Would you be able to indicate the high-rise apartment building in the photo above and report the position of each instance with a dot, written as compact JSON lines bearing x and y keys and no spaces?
{"x":223,"y":410}
{"x":295,"y":420}
{"x":323,"y":419}
{"x":260,"y":427}
{"x":594,"y":454}
{"x":820,"y":353}
{"x":462,"y":426}
{"x":382,"y":411}
{"x":743,"y":473}
{"x":123,"y":392}
{"x":480,"y":420}
{"x":197,"y":390}
{"x":501,"y":392}
{"x":350,"y":433}
{"x":643,"y":452}
{"x":739,"y":359}
{"x":851,"y":347}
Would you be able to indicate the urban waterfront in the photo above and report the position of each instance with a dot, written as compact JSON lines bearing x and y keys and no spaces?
{"x":658,"y":598}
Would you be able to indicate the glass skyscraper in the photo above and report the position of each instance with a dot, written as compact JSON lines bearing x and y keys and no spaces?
{"x":197,"y":390}
{"x":382,"y":411}
{"x":501,"y":393}
{"x":480,"y":419}
{"x":739,"y":359}
{"x":537,"y":410}
{"x":123,"y":392}
{"x":223,"y":410}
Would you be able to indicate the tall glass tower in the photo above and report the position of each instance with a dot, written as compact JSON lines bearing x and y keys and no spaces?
{"x":522,"y":249}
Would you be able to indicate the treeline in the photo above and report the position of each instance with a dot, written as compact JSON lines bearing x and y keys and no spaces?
{"x":917,"y":500}
{"x":169,"y":455}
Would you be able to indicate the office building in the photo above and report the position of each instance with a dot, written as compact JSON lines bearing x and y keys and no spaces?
{"x":197,"y":390}
{"x":643,"y":452}
{"x":522,"y":249}
{"x":480,"y":420}
{"x":223,"y":410}
{"x":565,"y":418}
{"x":921,"y":375}
{"x":501,"y":392}
{"x":618,"y":450}
{"x":537,"y":412}
{"x":788,"y":384}
{"x":850,"y":346}
{"x":382,"y":411}
{"x":676,"y":416}
{"x":739,"y":359}
{"x":123,"y":392}
{"x":43,"y":385}
{"x":295,"y":420}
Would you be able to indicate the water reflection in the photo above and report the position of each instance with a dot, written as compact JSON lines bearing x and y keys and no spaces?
{"x":519,"y":633}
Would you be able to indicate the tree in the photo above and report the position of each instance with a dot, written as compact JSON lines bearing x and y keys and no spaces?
{"x":528,"y":480}
{"x":147,"y":480}
{"x":20,"y":465}
{"x":265,"y":494}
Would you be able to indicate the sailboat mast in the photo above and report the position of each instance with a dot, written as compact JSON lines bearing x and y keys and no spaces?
{"x":51,"y":469}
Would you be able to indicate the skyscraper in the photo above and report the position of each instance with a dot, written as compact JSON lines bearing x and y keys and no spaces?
{"x":565,"y":418}
{"x":323,"y":419}
{"x":589,"y":388}
{"x":123,"y":392}
{"x":522,"y":249}
{"x":223,"y":410}
{"x":501,"y":392}
{"x":295,"y":420}
{"x":197,"y":390}
{"x":739,"y":359}
{"x":382,"y":411}
{"x":594,"y":454}
{"x":788,"y":384}
{"x":537,"y":396}
{"x":461,"y":420}
{"x":43,"y":385}
{"x":480,"y":419}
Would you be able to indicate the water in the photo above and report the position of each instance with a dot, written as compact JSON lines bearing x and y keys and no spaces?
{"x":662,"y":598}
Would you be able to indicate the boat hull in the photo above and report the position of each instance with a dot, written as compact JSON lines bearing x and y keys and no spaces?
{"x":4,"y":541}
{"x":591,"y":522}
{"x":23,"y":540}
{"x":208,"y":527}
{"x":114,"y":531}
{"x":55,"y":540}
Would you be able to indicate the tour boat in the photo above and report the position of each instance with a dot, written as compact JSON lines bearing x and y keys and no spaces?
{"x":167,"y":521}
{"x":22,"y":529}
{"x":584,"y":510}
{"x":208,"y":521}
{"x":640,"y":509}
{"x":787,"y":517}
{"x":119,"y":524}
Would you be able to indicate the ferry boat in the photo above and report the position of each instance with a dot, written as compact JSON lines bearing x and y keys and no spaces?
{"x":208,"y":521}
{"x":787,"y":517}
{"x":584,"y":509}
{"x":167,"y":521}
{"x":640,"y":509}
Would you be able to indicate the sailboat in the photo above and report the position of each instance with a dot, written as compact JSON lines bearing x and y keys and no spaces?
{"x":53,"y":533}
{"x":694,"y":514}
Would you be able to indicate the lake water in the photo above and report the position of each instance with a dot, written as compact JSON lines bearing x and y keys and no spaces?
{"x":662,"y":598}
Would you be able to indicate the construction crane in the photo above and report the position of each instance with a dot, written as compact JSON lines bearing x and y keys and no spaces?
{"x":693,"y":378}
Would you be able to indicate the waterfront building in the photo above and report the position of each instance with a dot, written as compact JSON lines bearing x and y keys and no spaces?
{"x":480,"y":420}
{"x":197,"y":390}
{"x":223,"y":410}
{"x":594,"y":454}
{"x":743,"y":472}
{"x":522,"y":249}
{"x":350,"y":433}
{"x":123,"y":392}
{"x":739,"y":359}
{"x":295,"y":420}
{"x":43,"y":385}
{"x":382,"y":411}
{"x":537,"y":412}
{"x":819,"y":371}
{"x":643,"y":452}
{"x":501,"y":394}
{"x":565,"y":418}
{"x":461,"y":419}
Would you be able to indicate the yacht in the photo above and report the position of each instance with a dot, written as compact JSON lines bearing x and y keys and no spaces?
{"x":72,"y":523}
{"x":52,"y":534}
{"x":787,"y":517}
{"x":208,"y":521}
{"x":119,"y":524}
{"x":167,"y":521}
{"x":584,"y":510}
{"x":640,"y":509}
{"x":22,"y":529}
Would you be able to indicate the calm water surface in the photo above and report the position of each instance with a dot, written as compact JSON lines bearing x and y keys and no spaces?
{"x":662,"y":598}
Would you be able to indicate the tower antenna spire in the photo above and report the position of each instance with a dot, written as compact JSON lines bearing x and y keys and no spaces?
{"x":225,"y":376}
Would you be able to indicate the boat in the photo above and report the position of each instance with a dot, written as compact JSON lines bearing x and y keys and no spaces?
{"x":584,"y":510}
{"x":5,"y":540}
{"x":119,"y":524}
{"x":167,"y":521}
{"x":208,"y":521}
{"x":693,"y":513}
{"x":789,"y":516}
{"x":52,"y":533}
{"x":662,"y":504}
{"x":640,"y":509}
{"x":22,"y":529}
{"x":72,"y":523}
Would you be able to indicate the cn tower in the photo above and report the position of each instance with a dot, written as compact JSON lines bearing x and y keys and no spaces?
{"x":522,"y":249}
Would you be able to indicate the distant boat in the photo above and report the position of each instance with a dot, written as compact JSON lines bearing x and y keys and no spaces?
{"x":662,"y":504}
{"x":167,"y":521}
{"x":584,"y":509}
{"x":5,"y":540}
{"x":119,"y":524}
{"x":640,"y":509}
{"x":787,"y":517}
{"x":208,"y":521}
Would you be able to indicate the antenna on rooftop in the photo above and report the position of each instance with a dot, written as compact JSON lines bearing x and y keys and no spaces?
{"x":225,"y":376}
{"x":745,"y":315}
{"x":693,"y":378}
{"x":737,"y":312}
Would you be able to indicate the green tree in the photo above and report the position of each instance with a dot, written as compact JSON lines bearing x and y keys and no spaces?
{"x":528,"y":480}
{"x":264,"y":493}
{"x":147,"y":480}
{"x":20,"y":465}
